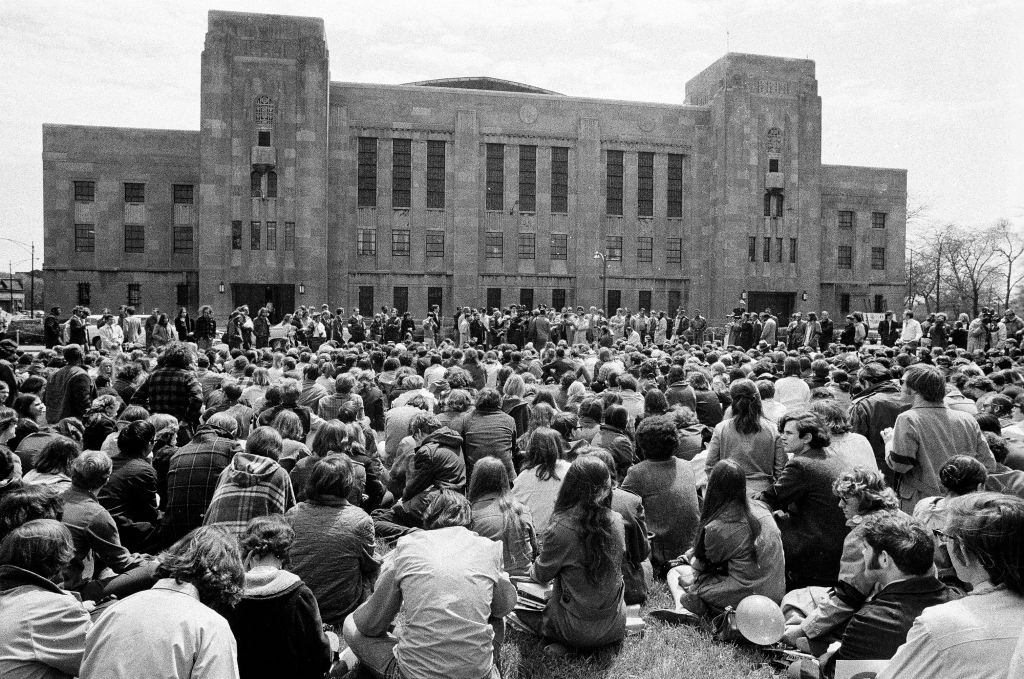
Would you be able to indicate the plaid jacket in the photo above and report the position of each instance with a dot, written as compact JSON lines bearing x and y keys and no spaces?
{"x":192,"y":477}
{"x":172,"y":391}
{"x":250,"y":486}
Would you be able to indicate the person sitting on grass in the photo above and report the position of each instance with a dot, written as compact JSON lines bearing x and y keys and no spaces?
{"x":499,"y":516}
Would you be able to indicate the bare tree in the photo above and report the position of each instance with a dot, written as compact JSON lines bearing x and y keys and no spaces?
{"x":972,"y":266}
{"x":1009,"y":249}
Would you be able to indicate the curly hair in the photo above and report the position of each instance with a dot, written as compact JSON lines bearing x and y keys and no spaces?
{"x":209,"y":559}
{"x":267,"y":535}
{"x":178,"y":355}
{"x":26,"y":503}
{"x":40,"y":546}
{"x":990,"y":526}
{"x":868,"y":487}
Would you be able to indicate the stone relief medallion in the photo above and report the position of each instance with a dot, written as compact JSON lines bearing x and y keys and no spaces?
{"x":528,"y":114}
{"x":645,"y":123}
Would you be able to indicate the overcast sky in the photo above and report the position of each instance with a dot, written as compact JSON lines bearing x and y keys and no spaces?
{"x":932,"y":86}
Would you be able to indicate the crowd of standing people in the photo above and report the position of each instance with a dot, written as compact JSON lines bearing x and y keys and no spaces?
{"x":187,"y":500}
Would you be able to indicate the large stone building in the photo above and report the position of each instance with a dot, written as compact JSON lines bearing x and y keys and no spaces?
{"x":300,"y":190}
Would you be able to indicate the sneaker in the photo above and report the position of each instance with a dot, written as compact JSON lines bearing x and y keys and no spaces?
{"x":676,"y":617}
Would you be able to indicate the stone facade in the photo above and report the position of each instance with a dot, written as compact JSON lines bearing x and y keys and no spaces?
{"x":471,"y":191}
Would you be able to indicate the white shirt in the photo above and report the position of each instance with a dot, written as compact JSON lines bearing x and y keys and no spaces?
{"x":792,"y":392}
{"x":911,"y":330}
{"x":111,"y":337}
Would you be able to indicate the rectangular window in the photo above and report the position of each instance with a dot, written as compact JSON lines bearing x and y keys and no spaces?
{"x":613,"y":183}
{"x":85,"y":192}
{"x":751,"y":248}
{"x":134,"y":192}
{"x":766,"y":249}
{"x":675,"y":185}
{"x":134,"y":294}
{"x":844,"y":303}
{"x":879,"y":304}
{"x":84,"y":294}
{"x":614,"y":301}
{"x":792,"y":250}
{"x":254,"y":235}
{"x":559,"y":179}
{"x":644,"y":249}
{"x":184,"y":194}
{"x":614,"y":245}
{"x":236,"y":235}
{"x":526,"y":297}
{"x":183,"y":239}
{"x":560,"y":246}
{"x":435,"y":297}
{"x":401,"y":299}
{"x":366,"y":243}
{"x":435,"y":174}
{"x":643,"y":300}
{"x":845,"y":257}
{"x":493,"y":298}
{"x":527,"y":178}
{"x":675,"y":300}
{"x":645,"y":184}
{"x":367,"y":172}
{"x":263,"y":138}
{"x":846,"y":219}
{"x":256,"y":184}
{"x":289,"y":236}
{"x":85,"y":237}
{"x":527,"y":246}
{"x":400,"y":242}
{"x":435,"y":243}
{"x":495,"y":177}
{"x":181,"y":294}
{"x":271,"y":235}
{"x":878,"y":259}
{"x":558,"y":298}
{"x":494,"y":244}
{"x":674,"y":251}
{"x":877,"y":220}
{"x":778,"y":250}
{"x":773,"y":165}
{"x":134,"y":238}
{"x":401,"y":173}
{"x":366,"y":299}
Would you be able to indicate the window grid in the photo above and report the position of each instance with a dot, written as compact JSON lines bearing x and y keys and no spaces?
{"x":560,"y":246}
{"x":435,"y":174}
{"x":367,"y":173}
{"x":435,"y":244}
{"x":495,"y":177}
{"x":183,"y":239}
{"x":184,"y":194}
{"x":400,"y":242}
{"x":675,"y":185}
{"x":559,"y":179}
{"x":792,"y":250}
{"x":134,"y":294}
{"x":85,"y":191}
{"x":134,"y":238}
{"x":614,"y":244}
{"x":85,"y":237}
{"x":494,"y":244}
{"x":878,"y":259}
{"x":674,"y":251}
{"x":751,"y":248}
{"x":527,"y":246}
{"x":645,"y":249}
{"x":401,"y":173}
{"x":527,"y":178}
{"x":845,"y":219}
{"x":845,"y":257}
{"x":271,"y":235}
{"x":766,"y":247}
{"x":255,"y":184}
{"x":84,"y":294}
{"x":289,"y":236}
{"x":613,"y":183}
{"x":367,"y":242}
{"x":645,"y":184}
{"x":877,"y":220}
{"x":236,"y":235}
{"x":254,"y":235}
{"x":134,"y":192}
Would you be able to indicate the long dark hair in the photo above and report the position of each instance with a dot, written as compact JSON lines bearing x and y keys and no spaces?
{"x":581,"y":496}
{"x":746,"y":407}
{"x":727,"y":489}
{"x":544,"y":453}
{"x":491,"y":477}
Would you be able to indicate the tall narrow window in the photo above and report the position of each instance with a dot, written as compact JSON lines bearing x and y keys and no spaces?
{"x":135,"y":294}
{"x":773,"y":165}
{"x":674,"y":251}
{"x":675,"y":185}
{"x":271,"y":184}
{"x":367,"y":172}
{"x":527,"y":246}
{"x":271,"y":235}
{"x":558,"y":298}
{"x":751,"y":248}
{"x":844,"y":303}
{"x":844,"y":259}
{"x":254,"y":235}
{"x":134,"y":238}
{"x":84,"y":294}
{"x":877,"y":220}
{"x":366,"y":243}
{"x":643,"y":299}
{"x":614,"y":300}
{"x":614,"y":248}
{"x":766,"y":247}
{"x":778,"y":250}
{"x":134,"y":192}
{"x":613,"y":183}
{"x":435,"y":174}
{"x":645,"y":184}
{"x":289,"y":236}
{"x":494,"y":245}
{"x":181,"y":293}
{"x":183,"y":239}
{"x":792,"y":250}
{"x":495,"y":177}
{"x":845,"y":219}
{"x":878,"y":259}
{"x":879,"y":304}
{"x":559,"y":179}
{"x":526,"y":297}
{"x":559,"y":246}
{"x":644,"y":249}
{"x":401,"y":173}
{"x":400,"y":242}
{"x":400,"y":299}
{"x":366,"y":299}
{"x":773,"y":203}
{"x":435,"y":297}
{"x":435,"y":243}
{"x":255,"y":184}
{"x":493,"y":298}
{"x":527,"y":178}
{"x":85,"y":237}
{"x":85,"y":192}
{"x":236,"y":235}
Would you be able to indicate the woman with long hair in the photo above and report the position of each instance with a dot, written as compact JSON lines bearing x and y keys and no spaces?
{"x":738,"y":551}
{"x":53,"y":465}
{"x":184,"y":325}
{"x":582,"y":553}
{"x":294,"y":449}
{"x":537,"y":486}
{"x":749,"y":439}
{"x":540,"y":415}
{"x":161,"y":331}
{"x":499,"y":516}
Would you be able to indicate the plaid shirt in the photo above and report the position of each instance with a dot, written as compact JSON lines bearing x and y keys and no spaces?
{"x":172,"y":391}
{"x":192,"y":478}
{"x":250,"y":486}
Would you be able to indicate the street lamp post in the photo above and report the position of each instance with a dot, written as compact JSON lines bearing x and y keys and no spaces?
{"x":604,"y":278}
{"x":31,"y":247}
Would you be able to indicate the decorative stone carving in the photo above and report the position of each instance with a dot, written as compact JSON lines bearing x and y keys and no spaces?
{"x":528,"y":114}
{"x":264,"y":109}
{"x":773,"y":141}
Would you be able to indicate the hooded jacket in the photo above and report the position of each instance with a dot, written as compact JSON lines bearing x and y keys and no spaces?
{"x":278,"y":628}
{"x":437,"y":465}
{"x":251,"y":486}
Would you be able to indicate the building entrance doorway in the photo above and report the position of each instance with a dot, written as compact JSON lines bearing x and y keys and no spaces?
{"x":280,"y":298}
{"x":781,"y":303}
